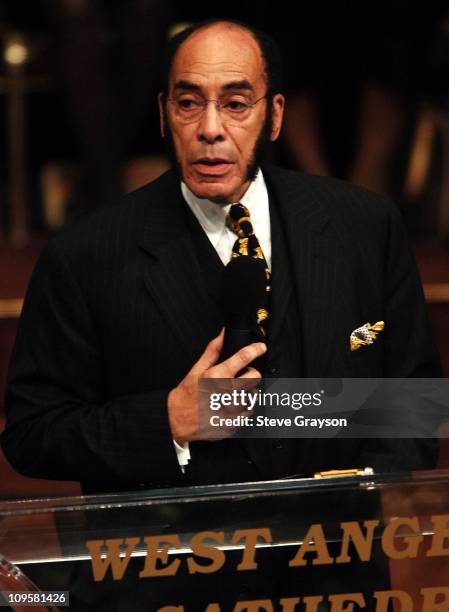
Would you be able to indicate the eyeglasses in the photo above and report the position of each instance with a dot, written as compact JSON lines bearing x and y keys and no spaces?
{"x":232,"y":109}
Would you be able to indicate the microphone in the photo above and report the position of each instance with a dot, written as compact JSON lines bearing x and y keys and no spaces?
{"x":243,"y":289}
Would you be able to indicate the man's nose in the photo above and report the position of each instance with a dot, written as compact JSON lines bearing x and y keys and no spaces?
{"x":210,"y":126}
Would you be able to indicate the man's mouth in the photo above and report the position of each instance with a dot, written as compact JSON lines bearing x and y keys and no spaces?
{"x":212,"y":166}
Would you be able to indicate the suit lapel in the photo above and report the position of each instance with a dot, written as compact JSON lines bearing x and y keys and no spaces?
{"x":173,"y":276}
{"x":280,"y":280}
{"x":314,"y":253}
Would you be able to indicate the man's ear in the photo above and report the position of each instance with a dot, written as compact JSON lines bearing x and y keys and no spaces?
{"x":161,"y":104}
{"x":277,"y":114}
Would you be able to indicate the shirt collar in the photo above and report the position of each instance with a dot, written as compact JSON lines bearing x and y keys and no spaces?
{"x":212,"y":216}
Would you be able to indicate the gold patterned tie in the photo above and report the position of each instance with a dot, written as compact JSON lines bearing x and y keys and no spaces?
{"x":247,"y":245}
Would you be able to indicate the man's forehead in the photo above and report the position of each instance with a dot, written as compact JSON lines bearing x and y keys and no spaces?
{"x":219,"y":56}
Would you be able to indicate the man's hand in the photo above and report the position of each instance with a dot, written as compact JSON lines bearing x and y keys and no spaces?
{"x":183,"y":409}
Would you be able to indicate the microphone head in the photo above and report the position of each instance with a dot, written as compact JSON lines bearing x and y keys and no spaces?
{"x":244,"y":285}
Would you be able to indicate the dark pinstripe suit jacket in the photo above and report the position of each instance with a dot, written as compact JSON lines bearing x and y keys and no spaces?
{"x":116,"y":314}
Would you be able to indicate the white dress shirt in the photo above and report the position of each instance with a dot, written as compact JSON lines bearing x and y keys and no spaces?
{"x":212,"y":218}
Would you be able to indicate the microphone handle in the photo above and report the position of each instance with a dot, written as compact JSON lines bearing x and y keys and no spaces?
{"x":234,"y":340}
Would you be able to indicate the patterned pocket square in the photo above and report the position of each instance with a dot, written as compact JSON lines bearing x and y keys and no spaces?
{"x":362,"y":336}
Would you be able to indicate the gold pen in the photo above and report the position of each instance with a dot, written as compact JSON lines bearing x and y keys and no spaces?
{"x":351,"y":472}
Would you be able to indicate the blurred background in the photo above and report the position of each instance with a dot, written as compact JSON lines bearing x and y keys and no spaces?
{"x":367,"y":87}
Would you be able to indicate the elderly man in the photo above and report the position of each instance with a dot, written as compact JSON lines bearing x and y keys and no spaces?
{"x":123,"y":313}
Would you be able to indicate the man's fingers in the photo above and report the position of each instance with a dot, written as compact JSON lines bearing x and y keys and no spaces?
{"x":210,"y":355}
{"x":250,"y":373}
{"x":238,"y":361}
{"x":253,"y":377}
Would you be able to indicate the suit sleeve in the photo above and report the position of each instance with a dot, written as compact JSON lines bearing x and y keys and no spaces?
{"x":409,"y":348}
{"x":59,"y":424}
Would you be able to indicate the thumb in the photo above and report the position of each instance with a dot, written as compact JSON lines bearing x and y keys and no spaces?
{"x":210,"y":355}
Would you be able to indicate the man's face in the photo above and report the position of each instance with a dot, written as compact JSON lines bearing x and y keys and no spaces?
{"x":215,"y":156}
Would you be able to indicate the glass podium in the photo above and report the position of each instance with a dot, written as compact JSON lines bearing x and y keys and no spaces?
{"x":373,"y":542}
